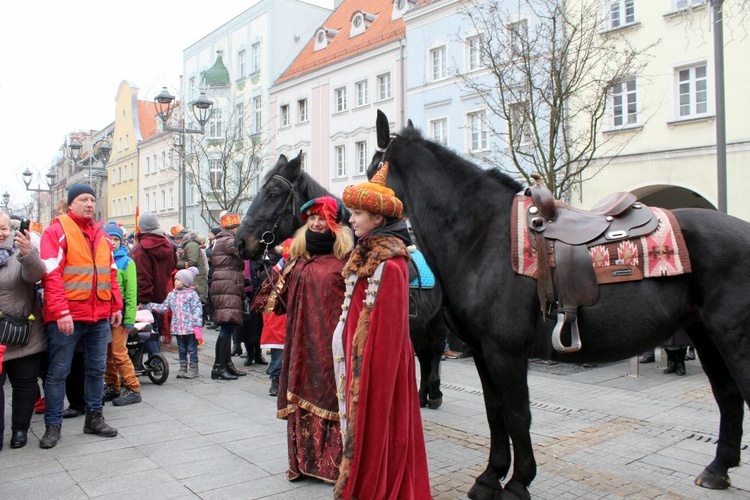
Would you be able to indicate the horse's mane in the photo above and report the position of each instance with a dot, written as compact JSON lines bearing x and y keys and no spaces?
{"x":450,"y":158}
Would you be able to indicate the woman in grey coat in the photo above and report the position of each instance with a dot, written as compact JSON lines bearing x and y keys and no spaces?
{"x":20,"y":269}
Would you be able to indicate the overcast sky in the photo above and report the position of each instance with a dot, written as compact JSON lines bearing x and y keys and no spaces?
{"x":62,"y":62}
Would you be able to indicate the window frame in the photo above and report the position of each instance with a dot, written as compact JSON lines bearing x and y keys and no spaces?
{"x":518,"y":37}
{"x":360,"y":149}
{"x":284,"y":116}
{"x":303,"y":111}
{"x":362,"y":98}
{"x":339,"y":154}
{"x":624,"y":104}
{"x":438,"y":72}
{"x":474,"y":56}
{"x":693,"y":91}
{"x":339,"y":99}
{"x":621,"y":7}
{"x":385,"y":80}
{"x":256,"y":58}
{"x":443,"y":139}
{"x":257,"y":124}
{"x":482,"y":134}
{"x":241,"y":64}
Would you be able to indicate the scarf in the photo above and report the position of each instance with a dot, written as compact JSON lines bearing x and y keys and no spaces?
{"x":380,"y":245}
{"x":7,"y":250}
{"x":319,"y":243}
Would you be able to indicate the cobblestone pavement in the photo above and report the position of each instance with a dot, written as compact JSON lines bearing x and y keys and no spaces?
{"x":597,"y":433}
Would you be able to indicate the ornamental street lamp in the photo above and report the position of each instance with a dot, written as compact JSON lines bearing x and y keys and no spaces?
{"x":202,"y":109}
{"x":101,"y":155}
{"x":6,"y":200}
{"x":49,"y":179}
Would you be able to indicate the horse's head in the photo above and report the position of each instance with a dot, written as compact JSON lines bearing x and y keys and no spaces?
{"x":272,"y":216}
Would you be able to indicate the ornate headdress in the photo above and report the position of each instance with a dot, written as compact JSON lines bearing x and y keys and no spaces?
{"x":326,"y":206}
{"x":230,"y":221}
{"x":374,"y":196}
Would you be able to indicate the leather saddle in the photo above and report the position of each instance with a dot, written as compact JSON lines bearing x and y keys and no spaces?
{"x":562,"y":236}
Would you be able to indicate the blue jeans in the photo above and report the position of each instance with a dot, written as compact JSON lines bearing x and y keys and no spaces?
{"x":274,"y":368}
{"x":187,"y":345}
{"x":94,"y":338}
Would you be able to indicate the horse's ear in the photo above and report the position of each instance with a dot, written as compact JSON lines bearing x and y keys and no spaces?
{"x":282,"y":159}
{"x":383,"y":130}
{"x":291,"y":170}
{"x":409,"y":123}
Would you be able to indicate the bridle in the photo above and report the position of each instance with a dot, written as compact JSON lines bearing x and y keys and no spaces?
{"x":384,"y":150}
{"x":269,"y":237}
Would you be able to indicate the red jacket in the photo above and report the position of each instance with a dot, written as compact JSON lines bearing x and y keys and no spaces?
{"x":155,"y":263}
{"x":54,"y":247}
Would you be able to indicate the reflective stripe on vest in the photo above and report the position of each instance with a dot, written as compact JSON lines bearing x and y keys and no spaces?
{"x":82,"y":269}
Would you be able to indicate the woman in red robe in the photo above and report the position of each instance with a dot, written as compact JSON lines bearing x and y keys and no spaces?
{"x":384,"y":450}
{"x":313,"y":292}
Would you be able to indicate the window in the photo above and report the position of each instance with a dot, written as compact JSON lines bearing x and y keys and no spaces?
{"x":362,"y":157}
{"x":114,"y":206}
{"x":302,"y":110}
{"x":284,"y":115}
{"x":256,"y":57}
{"x":215,"y":125}
{"x":518,"y":35}
{"x":257,"y":115}
{"x":216,"y":174}
{"x":148,"y":165}
{"x":519,"y":126}
{"x":621,"y":13}
{"x":477,"y":131}
{"x":191,"y":87}
{"x":340,"y":155}
{"x":340,"y":99}
{"x":239,"y":119}
{"x":438,"y":67}
{"x":130,"y":204}
{"x":687,"y":4}
{"x":163,"y":194}
{"x":148,"y":198}
{"x":153,"y":166}
{"x":475,"y":58}
{"x":692,"y":88}
{"x":303,"y":162}
{"x":163,"y":163}
{"x":624,"y":104}
{"x":119,"y":174}
{"x":170,"y":198}
{"x":384,"y":86}
{"x":241,"y":64}
{"x":439,"y":131}
{"x":362,"y":93}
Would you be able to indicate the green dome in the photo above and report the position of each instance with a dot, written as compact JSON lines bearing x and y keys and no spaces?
{"x":217,"y":75}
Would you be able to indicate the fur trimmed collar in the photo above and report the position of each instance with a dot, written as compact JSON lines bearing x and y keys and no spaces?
{"x":370,"y":252}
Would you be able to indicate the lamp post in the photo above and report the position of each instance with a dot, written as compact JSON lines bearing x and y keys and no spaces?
{"x":6,"y":200}
{"x":202,"y":108}
{"x":49,"y":179}
{"x":101,"y":155}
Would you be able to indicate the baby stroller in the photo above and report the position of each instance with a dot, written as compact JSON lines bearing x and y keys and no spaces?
{"x":156,"y":366}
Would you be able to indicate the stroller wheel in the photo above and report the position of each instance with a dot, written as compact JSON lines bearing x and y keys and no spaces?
{"x":158,"y":368}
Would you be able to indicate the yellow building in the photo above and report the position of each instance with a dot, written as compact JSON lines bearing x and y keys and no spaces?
{"x":665,"y":117}
{"x":134,"y":123}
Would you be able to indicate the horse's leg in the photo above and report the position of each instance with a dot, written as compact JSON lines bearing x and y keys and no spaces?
{"x":423,"y":355}
{"x":487,"y":485}
{"x":731,"y":408}
{"x":438,"y":333}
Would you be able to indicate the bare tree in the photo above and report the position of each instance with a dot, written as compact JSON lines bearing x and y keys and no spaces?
{"x":550,"y":76}
{"x":225,"y":163}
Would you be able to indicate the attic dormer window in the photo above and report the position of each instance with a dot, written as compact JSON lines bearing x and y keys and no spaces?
{"x":400,"y":7}
{"x":324,"y":36}
{"x":361,"y":20}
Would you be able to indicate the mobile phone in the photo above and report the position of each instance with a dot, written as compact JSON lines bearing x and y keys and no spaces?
{"x":24,"y":226}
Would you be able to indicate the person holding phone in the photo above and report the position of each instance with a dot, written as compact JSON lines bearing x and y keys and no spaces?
{"x":20,"y":269}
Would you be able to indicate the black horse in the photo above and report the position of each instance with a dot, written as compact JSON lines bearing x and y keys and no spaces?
{"x":273,"y":216}
{"x":462,"y":216}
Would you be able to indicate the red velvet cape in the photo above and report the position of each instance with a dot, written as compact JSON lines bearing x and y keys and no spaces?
{"x":384,"y":452}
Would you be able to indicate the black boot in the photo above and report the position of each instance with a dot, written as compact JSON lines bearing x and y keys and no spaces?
{"x":259,"y":360}
{"x":233,"y":369}
{"x":671,"y":365}
{"x":219,"y":371}
{"x":679,"y":361}
{"x":274,"y":389}
{"x":250,"y":354}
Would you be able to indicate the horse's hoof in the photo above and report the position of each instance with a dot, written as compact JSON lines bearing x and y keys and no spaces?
{"x":482,"y":492}
{"x":423,"y":403}
{"x":712,"y":480}
{"x":515,"y":491}
{"x":435,"y":403}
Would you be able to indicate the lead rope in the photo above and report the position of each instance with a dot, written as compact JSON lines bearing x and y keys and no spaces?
{"x":339,"y":354}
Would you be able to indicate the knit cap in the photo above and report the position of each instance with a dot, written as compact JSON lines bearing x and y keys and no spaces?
{"x":148,"y":222}
{"x":187,"y":276}
{"x":77,"y":190}
{"x":114,"y":231}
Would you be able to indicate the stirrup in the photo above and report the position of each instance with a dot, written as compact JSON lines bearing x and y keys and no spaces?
{"x":575,"y":337}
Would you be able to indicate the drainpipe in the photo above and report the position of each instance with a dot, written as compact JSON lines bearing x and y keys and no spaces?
{"x":402,"y":111}
{"x":721,"y":135}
